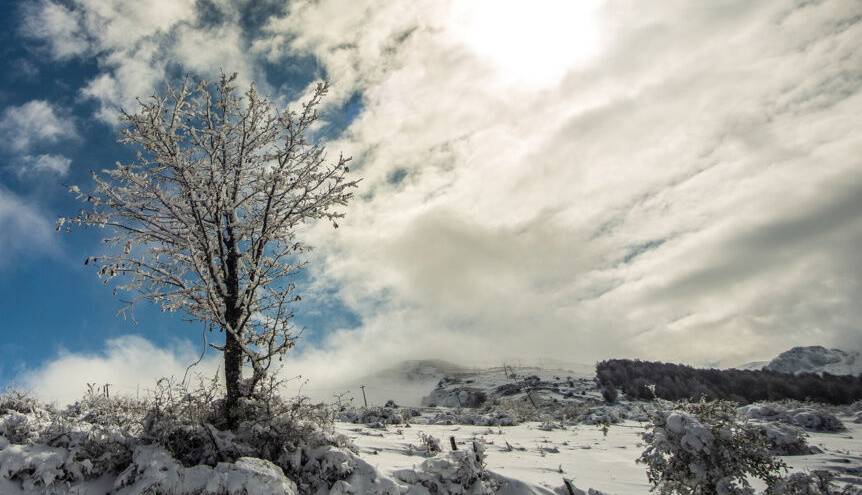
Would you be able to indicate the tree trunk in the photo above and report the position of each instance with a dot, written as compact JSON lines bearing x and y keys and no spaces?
{"x":232,"y":377}
{"x":233,"y":356}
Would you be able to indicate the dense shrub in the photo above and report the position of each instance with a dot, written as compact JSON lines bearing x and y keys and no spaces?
{"x":610,"y":394}
{"x":705,"y":448}
{"x":647,"y":380}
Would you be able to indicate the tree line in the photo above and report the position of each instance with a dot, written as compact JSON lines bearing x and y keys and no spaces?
{"x":647,"y":380}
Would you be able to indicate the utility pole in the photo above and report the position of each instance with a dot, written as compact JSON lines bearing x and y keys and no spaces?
{"x":363,"y":395}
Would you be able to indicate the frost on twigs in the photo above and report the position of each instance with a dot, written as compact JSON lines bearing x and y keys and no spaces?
{"x":705,"y":448}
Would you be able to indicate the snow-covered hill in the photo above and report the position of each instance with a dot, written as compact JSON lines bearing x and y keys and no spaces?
{"x":817,"y":359}
{"x":754,"y":365}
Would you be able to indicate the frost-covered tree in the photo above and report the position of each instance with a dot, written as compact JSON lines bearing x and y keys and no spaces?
{"x":204,"y":220}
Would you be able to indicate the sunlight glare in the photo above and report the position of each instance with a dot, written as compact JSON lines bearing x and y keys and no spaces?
{"x":529,"y":41}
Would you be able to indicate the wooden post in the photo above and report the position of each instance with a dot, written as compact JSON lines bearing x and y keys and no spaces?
{"x":452,"y":441}
{"x":363,"y":395}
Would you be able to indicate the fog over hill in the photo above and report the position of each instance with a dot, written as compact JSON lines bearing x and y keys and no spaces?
{"x":409,"y":382}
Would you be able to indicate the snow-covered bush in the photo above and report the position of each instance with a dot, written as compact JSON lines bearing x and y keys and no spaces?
{"x":387,"y":415}
{"x":786,"y":439}
{"x":492,"y":417}
{"x":705,"y":448}
{"x":18,"y":427}
{"x":430,"y":444}
{"x":815,"y":420}
{"x":610,"y":394}
{"x":456,"y":472}
{"x":180,"y":426}
{"x":18,"y":401}
{"x":813,"y":483}
{"x":602,"y":415}
{"x":42,"y":446}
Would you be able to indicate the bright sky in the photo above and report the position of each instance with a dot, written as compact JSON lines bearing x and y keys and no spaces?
{"x":542,"y":179}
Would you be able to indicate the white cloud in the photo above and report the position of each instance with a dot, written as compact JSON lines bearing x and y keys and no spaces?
{"x":34,"y":123}
{"x":137,"y":45}
{"x":44,"y":163}
{"x":25,"y":230}
{"x":130,"y":364}
{"x":210,"y":50}
{"x":131,"y":74}
{"x":59,"y":26}
{"x":87,"y":27}
{"x":128,"y":39}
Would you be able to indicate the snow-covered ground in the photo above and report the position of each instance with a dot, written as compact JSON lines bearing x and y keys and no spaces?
{"x":581,"y":453}
{"x":524,"y":452}
{"x":578,"y":436}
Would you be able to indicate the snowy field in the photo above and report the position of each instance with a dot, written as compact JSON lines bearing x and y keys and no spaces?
{"x":580,"y":453}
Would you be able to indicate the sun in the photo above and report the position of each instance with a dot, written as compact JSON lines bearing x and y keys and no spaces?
{"x":532,"y":42}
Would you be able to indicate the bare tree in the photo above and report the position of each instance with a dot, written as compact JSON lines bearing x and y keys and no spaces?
{"x":204,"y":220}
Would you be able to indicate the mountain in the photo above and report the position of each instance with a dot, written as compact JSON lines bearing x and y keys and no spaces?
{"x":817,"y":359}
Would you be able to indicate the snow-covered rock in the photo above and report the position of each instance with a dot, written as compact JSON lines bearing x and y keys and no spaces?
{"x":786,"y":439}
{"x":456,"y":397}
{"x":154,"y":470}
{"x":809,"y":418}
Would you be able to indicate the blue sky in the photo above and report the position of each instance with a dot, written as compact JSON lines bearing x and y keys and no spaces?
{"x":542,"y":179}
